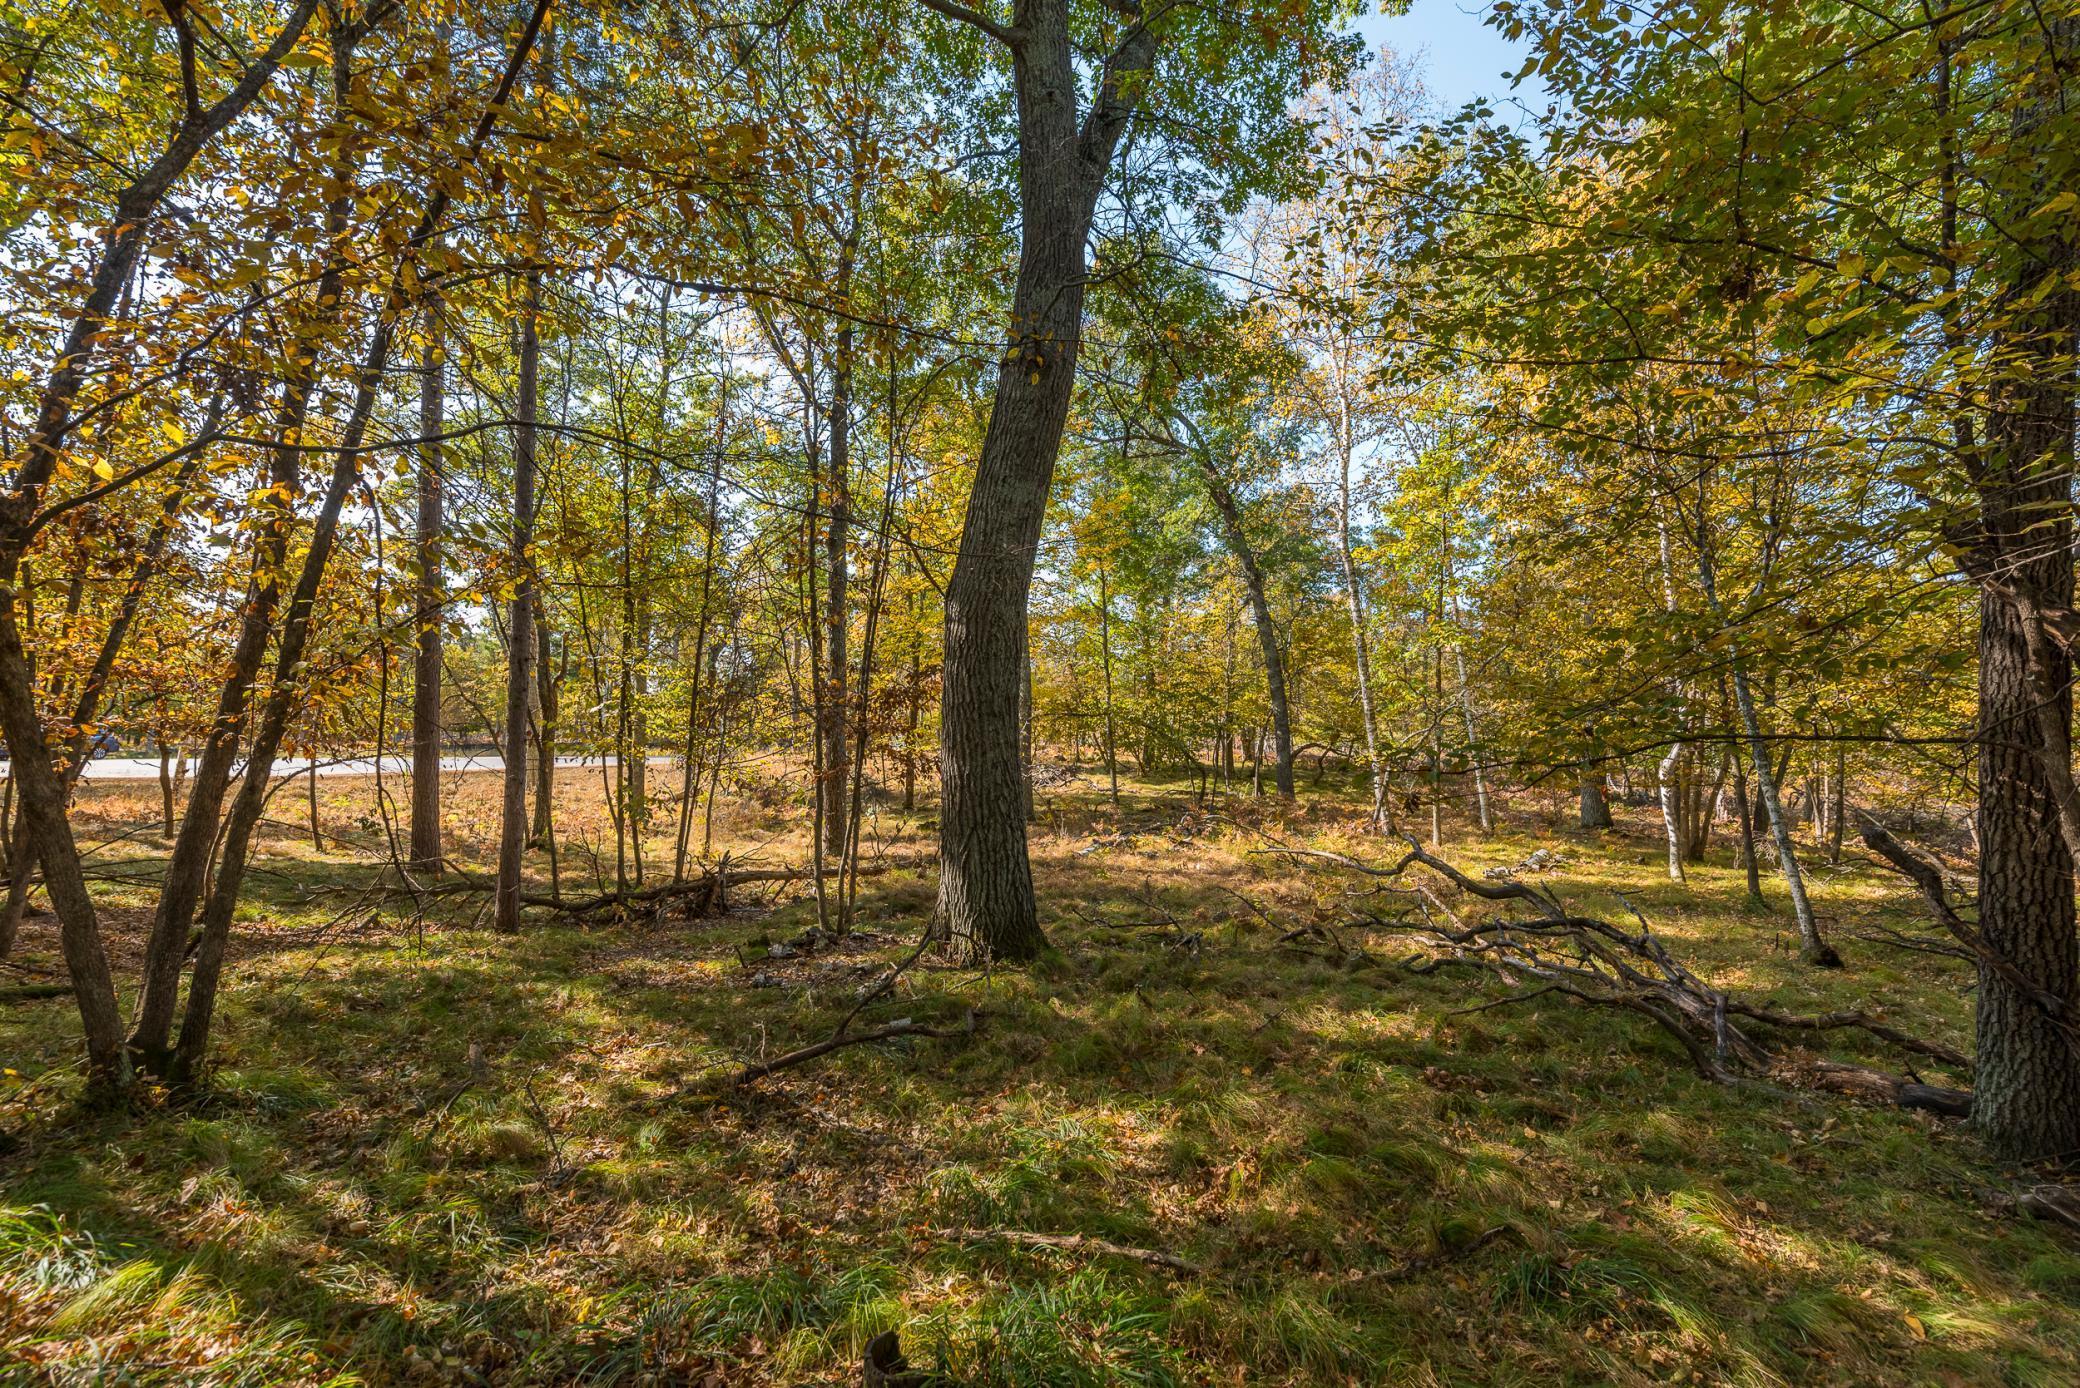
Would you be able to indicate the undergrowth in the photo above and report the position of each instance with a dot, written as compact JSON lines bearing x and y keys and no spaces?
{"x":432,"y":1154}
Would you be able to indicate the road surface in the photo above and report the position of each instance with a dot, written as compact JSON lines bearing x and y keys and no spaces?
{"x":147,"y":768}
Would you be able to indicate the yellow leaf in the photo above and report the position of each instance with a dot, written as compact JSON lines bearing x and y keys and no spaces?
{"x":103,"y":471}
{"x":1918,"y":1326}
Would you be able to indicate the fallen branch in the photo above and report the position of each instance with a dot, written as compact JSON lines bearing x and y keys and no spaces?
{"x":752,"y":1073}
{"x":1862,"y":1082}
{"x":1600,"y":964}
{"x":1083,"y":1243}
{"x":1928,"y":879}
{"x":2059,"y":1204}
{"x":709,"y":891}
{"x":28,"y":992}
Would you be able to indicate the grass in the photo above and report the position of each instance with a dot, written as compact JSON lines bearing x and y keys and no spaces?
{"x":1380,"y":1190}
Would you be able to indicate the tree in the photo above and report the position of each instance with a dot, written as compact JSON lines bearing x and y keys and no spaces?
{"x":1877,"y":252}
{"x":1067,"y":143}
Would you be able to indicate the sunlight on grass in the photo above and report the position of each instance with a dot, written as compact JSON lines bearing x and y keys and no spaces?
{"x":464,"y":1153}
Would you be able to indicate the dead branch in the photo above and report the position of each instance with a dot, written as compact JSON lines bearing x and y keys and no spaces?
{"x":1862,"y":1082}
{"x":1876,"y":933}
{"x":708,"y":892}
{"x":1083,"y":1243}
{"x":905,"y":1027}
{"x":2059,"y":1204}
{"x":1928,"y":878}
{"x":1550,"y":949}
{"x":28,"y":992}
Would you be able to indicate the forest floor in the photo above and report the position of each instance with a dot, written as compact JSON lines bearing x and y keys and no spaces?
{"x":438,"y":1155}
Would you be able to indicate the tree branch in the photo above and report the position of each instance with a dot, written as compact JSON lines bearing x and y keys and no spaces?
{"x":975,"y":19}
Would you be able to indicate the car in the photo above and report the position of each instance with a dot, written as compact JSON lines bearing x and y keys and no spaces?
{"x":101,"y":744}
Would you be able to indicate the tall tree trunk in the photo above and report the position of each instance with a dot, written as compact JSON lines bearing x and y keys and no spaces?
{"x":40,"y":788}
{"x":187,"y":867}
{"x":512,"y":826}
{"x":1747,"y":811}
{"x":41,"y":795}
{"x":425,"y":847}
{"x":165,"y":790}
{"x":548,"y":714}
{"x":986,"y":907}
{"x":1252,"y":567}
{"x":1480,"y":777}
{"x":1837,"y":815}
{"x":1811,"y":946}
{"x":1105,"y":656}
{"x":911,"y":713}
{"x":2026,"y":1077}
{"x":1354,"y":598}
{"x":185,"y":1063}
{"x":837,"y":569}
{"x":1671,"y":823}
{"x":21,"y":871}
{"x":689,"y":784}
{"x":86,"y":708}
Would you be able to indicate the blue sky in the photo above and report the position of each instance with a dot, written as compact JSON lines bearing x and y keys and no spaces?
{"x":1461,"y":58}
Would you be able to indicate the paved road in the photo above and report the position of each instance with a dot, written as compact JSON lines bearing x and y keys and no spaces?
{"x":147,"y":768}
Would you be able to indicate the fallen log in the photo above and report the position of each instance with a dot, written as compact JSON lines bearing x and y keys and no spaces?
{"x":1881,"y":1087}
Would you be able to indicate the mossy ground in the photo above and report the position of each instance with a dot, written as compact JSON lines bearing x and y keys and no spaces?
{"x":434,"y":1154}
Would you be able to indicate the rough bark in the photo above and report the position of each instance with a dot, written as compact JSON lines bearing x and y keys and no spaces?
{"x":425,"y":850}
{"x":2028,"y":1066}
{"x":1596,"y":806}
{"x":986,"y":907}
{"x":512,"y":827}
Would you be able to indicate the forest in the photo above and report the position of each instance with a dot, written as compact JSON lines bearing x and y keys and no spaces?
{"x":1038,"y":692}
